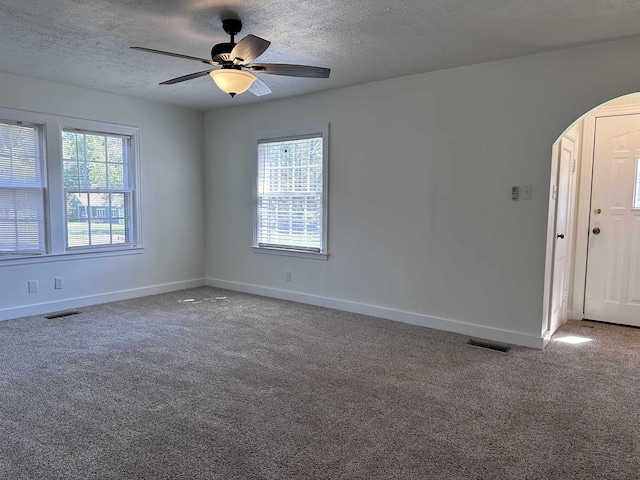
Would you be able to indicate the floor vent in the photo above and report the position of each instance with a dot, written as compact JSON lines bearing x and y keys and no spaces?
{"x":490,"y":346}
{"x":61,"y":314}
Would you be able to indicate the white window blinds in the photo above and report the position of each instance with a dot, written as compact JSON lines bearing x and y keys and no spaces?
{"x":290,"y":193}
{"x":21,"y":190}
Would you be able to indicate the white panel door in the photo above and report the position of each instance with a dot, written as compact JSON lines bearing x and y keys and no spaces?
{"x":566,"y":152}
{"x":613,"y":266}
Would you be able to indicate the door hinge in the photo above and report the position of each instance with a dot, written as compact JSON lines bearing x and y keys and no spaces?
{"x":554,"y":193}
{"x":573,"y":167}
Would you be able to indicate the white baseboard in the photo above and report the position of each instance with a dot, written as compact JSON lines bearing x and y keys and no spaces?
{"x":77,"y":302}
{"x":477,"y":331}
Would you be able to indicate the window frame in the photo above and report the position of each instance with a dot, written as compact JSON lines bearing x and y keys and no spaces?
{"x":294,"y":133}
{"x":89,"y":212}
{"x":55,"y":227}
{"x":635,"y":205}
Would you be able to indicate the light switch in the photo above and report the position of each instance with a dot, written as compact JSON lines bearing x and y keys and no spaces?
{"x":527,"y":192}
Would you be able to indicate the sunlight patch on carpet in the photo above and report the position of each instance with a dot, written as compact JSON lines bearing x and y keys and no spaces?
{"x":573,"y":340}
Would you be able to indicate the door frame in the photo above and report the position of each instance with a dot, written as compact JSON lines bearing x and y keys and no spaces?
{"x":574,"y":132}
{"x":585,"y":172}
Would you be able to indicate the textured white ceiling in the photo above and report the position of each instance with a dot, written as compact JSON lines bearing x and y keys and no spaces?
{"x":85,"y":42}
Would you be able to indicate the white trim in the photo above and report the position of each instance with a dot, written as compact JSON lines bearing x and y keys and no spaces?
{"x":583,"y":215}
{"x":572,"y":220}
{"x":613,"y":110}
{"x":551,"y":239}
{"x":291,"y":253}
{"x":73,"y":255}
{"x":78,"y":302}
{"x":56,"y":202}
{"x":479,"y":331}
{"x":284,"y":134}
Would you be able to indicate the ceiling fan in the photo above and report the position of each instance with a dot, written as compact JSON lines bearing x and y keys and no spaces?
{"x":233,"y":62}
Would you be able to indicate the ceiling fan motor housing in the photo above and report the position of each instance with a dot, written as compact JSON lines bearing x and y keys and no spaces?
{"x":221,"y":51}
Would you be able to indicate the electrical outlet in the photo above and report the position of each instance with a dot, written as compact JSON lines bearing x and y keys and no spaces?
{"x":58,"y":283}
{"x":288,"y":276}
{"x":33,"y":286}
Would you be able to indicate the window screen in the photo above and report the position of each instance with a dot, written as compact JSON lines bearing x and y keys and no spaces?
{"x":290,"y":193}
{"x":21,"y":190}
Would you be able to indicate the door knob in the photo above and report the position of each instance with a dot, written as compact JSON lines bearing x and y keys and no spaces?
{"x":596,"y":231}
{"x":560,"y":235}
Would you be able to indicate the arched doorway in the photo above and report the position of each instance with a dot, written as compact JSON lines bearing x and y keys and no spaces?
{"x":593,"y":234}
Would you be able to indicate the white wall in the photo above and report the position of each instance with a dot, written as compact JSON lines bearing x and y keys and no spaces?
{"x":172,"y":190}
{"x":421,"y":224}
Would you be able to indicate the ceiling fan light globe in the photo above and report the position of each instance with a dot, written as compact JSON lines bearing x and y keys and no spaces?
{"x":232,"y":81}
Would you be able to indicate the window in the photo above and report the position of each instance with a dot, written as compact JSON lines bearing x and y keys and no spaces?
{"x":21,"y":190}
{"x":67,"y":186}
{"x":97,"y":180}
{"x":291,"y":192}
{"x":636,"y":203}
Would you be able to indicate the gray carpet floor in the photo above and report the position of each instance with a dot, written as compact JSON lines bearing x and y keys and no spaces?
{"x":213,"y":384}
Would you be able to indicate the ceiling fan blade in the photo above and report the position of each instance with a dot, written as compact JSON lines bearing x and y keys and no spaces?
{"x":248,"y":49}
{"x":291,"y":70}
{"x":259,"y":88}
{"x":184,"y":78}
{"x":179,"y":55}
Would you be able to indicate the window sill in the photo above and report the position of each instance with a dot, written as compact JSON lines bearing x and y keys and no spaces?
{"x":74,"y":255}
{"x":291,"y":253}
